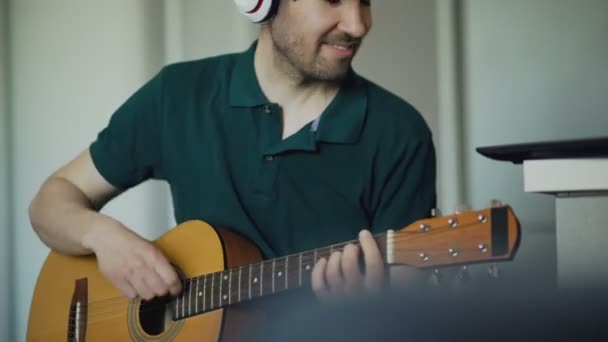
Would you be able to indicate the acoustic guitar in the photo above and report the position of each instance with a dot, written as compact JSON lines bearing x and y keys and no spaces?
{"x":222,"y":271}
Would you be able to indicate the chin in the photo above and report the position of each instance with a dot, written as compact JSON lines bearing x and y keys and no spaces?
{"x":334,"y":74}
{"x":325,"y":77}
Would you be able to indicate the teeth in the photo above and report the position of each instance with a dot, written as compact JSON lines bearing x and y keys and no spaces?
{"x":341,"y":47}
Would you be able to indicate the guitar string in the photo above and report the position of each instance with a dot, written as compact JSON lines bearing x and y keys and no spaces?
{"x":108,"y":312}
{"x":104,"y":316}
{"x":121,"y":300}
{"x":97,"y":310}
{"x":97,"y":319}
{"x":96,"y":307}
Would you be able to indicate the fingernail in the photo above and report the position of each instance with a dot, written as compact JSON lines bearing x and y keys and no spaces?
{"x":364,"y":232}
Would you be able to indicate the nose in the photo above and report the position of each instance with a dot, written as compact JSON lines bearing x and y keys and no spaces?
{"x":355,"y":19}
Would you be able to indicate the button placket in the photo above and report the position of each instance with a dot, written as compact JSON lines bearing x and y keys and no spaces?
{"x":270,"y":130}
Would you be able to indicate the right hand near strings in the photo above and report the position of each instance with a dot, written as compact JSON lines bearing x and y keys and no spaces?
{"x":132,"y":264}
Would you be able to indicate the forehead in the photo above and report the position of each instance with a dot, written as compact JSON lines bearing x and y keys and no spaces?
{"x":320,"y":7}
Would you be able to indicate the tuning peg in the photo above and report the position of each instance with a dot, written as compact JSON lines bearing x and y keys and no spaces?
{"x":494,"y":271}
{"x":463,"y":275}
{"x":435,"y":212}
{"x":494,"y":203}
{"x":436,"y":277}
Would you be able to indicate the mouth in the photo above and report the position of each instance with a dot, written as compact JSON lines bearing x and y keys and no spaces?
{"x":342,"y":50}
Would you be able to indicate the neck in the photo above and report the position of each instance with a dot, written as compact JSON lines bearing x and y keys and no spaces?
{"x":242,"y":284}
{"x":283,"y":83}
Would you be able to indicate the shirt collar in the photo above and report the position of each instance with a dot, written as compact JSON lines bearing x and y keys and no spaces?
{"x":341,"y":122}
{"x":245,"y":90}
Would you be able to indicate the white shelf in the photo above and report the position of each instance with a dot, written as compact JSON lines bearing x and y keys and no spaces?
{"x":566,"y":175}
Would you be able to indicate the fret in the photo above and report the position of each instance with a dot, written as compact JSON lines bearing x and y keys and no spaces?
{"x":254,"y":281}
{"x":212,"y":287}
{"x":273,"y":264}
{"x":261,"y":278}
{"x":280,"y":275}
{"x":190,"y":297}
{"x":287,"y":272}
{"x":230,"y":287}
{"x":177,"y":307}
{"x":221,"y":287}
{"x":240,"y":269}
{"x":300,"y":271}
{"x":223,"y":295}
{"x":187,"y":292}
{"x":308,"y":264}
{"x":196,"y":309}
{"x":217,"y":285}
{"x":184,"y":300}
{"x":204,"y":292}
{"x":250,"y":266}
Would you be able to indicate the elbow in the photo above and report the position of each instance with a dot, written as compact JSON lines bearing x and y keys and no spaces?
{"x":33,"y":212}
{"x":36,"y":208}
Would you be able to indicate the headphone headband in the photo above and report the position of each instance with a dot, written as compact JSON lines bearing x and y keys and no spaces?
{"x":257,"y":10}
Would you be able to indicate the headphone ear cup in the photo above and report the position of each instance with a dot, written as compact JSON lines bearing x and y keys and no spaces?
{"x":257,"y":10}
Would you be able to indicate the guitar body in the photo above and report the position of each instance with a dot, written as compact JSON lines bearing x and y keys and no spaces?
{"x":194,"y":247}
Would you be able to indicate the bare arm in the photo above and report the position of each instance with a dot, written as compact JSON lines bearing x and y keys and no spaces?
{"x":65,"y":215}
{"x":65,"y":209}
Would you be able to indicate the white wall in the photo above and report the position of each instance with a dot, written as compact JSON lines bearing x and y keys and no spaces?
{"x":75,"y":62}
{"x":5,"y":232}
{"x":400,"y":53}
{"x":534,"y":70}
{"x":207,"y":33}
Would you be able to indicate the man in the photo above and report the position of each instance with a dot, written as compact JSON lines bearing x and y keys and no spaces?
{"x":283,"y":143}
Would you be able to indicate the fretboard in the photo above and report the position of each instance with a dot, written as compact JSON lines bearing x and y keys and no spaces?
{"x":217,"y":290}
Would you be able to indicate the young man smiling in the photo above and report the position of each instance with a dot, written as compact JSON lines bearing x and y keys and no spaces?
{"x":283,"y":143}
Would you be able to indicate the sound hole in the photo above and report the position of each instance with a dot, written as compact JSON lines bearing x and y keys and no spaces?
{"x":154,"y":316}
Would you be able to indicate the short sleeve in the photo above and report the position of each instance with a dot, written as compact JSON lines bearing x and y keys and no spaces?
{"x":128,"y":150}
{"x":408,"y":190}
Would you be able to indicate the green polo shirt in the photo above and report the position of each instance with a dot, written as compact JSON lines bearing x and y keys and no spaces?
{"x":207,"y":129}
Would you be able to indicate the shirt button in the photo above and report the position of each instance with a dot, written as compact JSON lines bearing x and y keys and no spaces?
{"x":269,"y":158}
{"x":267,"y":109}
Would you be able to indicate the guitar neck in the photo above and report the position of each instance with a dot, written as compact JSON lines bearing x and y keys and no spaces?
{"x":217,"y":290}
{"x":476,"y":236}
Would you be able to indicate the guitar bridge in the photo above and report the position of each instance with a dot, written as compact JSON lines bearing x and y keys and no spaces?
{"x":77,"y":321}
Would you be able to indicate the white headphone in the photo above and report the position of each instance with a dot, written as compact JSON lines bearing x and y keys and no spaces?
{"x":257,"y":10}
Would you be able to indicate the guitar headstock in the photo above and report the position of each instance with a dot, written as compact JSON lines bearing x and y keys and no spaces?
{"x":467,"y":237}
